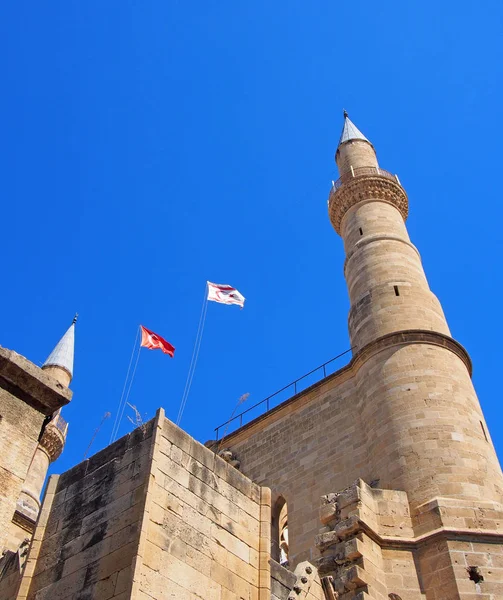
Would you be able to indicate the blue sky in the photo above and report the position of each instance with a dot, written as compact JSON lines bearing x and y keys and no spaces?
{"x":150,"y":146}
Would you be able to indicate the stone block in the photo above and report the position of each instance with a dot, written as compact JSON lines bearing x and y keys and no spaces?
{"x":231,"y":543}
{"x":230,"y":581}
{"x":176,"y":436}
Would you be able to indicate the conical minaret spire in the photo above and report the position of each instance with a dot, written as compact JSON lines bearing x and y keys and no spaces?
{"x":59,"y":364}
{"x":354,"y":150}
{"x":350,"y":131}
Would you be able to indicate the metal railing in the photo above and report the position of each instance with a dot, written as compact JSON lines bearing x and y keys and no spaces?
{"x":60,"y":423}
{"x":360,"y":171}
{"x":268,"y":402}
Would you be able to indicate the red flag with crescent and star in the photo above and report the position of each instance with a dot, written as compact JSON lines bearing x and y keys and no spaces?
{"x":152,"y":341}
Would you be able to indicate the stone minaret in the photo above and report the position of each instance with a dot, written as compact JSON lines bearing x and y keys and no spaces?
{"x":394,"y":443}
{"x":42,"y":420}
{"x":59,"y":365}
{"x":425,"y":429}
{"x":425,"y":435}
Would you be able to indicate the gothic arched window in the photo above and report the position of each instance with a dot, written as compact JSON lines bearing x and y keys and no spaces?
{"x":280,"y":547}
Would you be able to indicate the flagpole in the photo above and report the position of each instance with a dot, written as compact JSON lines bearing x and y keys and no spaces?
{"x":195,"y":355}
{"x":128,"y":392}
{"x":117,"y":418}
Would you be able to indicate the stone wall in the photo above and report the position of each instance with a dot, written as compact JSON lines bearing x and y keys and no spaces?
{"x":27,"y":395}
{"x":425,"y":429}
{"x":370,"y":548}
{"x":282,"y":581}
{"x":356,"y":154}
{"x":87,"y":533}
{"x":306,"y":448}
{"x":206,"y":529}
{"x":11,"y":568}
{"x":20,"y":426}
{"x":154,"y":515}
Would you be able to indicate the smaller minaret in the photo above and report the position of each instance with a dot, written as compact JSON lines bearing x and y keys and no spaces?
{"x":52,"y":438}
{"x":60,"y":361}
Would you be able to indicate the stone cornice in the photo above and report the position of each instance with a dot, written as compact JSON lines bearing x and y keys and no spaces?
{"x":366,"y":187}
{"x":23,"y":521}
{"x":411,"y":336}
{"x":29,"y":383}
{"x":354,"y":525}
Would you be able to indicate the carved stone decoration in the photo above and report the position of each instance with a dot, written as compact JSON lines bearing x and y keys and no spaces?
{"x":12,"y":561}
{"x":23,"y":520}
{"x":52,"y":441}
{"x":366,"y":187}
{"x":306,"y":576}
{"x":229,"y":456}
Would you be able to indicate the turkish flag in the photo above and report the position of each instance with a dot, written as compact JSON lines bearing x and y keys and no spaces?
{"x":152,"y":341}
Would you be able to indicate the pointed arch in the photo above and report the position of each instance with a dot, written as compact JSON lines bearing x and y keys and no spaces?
{"x":279,"y":532}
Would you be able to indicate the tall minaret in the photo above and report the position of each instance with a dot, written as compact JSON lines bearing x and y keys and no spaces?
{"x":59,"y":366}
{"x":425,"y":430}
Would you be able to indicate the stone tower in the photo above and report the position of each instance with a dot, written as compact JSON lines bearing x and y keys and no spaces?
{"x":32,"y":434}
{"x":425,"y":429}
{"x":395,"y":443}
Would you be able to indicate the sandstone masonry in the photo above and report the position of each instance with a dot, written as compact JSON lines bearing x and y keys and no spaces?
{"x":378,"y":482}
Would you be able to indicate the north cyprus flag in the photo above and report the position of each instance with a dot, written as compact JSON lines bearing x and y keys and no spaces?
{"x":225,"y":294}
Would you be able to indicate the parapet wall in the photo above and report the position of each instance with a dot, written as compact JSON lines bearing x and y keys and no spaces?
{"x":156,"y":515}
{"x":303,"y":450}
{"x":206,"y":527}
{"x":88,"y":530}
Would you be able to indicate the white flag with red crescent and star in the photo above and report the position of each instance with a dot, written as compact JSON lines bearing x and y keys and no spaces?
{"x":152,"y":341}
{"x":225,"y":294}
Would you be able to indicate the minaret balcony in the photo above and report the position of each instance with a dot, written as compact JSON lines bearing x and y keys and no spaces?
{"x":54,"y":437}
{"x":365,"y":183}
{"x":359,"y":173}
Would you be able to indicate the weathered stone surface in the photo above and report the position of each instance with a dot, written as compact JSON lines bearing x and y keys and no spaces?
{"x":118,"y":526}
{"x":282,"y":581}
{"x":27,"y":396}
{"x":377,"y":550}
{"x":29,"y":383}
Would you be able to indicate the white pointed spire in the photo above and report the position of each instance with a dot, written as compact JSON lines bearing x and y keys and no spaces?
{"x":350,"y":131}
{"x":62,"y":355}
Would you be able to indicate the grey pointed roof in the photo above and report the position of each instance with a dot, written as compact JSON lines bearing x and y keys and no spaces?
{"x":350,"y":131}
{"x":62,"y":355}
